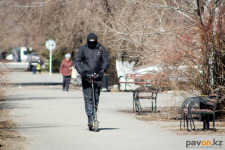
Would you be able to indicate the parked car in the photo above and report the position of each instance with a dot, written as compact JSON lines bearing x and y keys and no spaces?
{"x":33,"y":59}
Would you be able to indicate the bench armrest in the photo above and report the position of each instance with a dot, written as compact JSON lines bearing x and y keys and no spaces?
{"x":195,"y":100}
{"x":191,"y":101}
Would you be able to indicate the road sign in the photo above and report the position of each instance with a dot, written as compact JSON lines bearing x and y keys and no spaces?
{"x":50,"y":45}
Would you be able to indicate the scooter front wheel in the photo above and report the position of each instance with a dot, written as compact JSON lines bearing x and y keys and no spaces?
{"x":96,"y":125}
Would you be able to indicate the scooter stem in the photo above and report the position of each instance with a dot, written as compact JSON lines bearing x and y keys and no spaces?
{"x":93,"y":97}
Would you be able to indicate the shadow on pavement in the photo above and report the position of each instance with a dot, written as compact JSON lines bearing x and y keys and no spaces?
{"x":42,"y":98}
{"x":100,"y":129}
{"x":38,"y":83}
{"x":32,"y":126}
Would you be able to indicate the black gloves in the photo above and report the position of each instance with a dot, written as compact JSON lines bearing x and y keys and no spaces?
{"x":100,"y":74}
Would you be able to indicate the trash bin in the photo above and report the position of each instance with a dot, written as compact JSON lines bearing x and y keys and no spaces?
{"x":105,"y":82}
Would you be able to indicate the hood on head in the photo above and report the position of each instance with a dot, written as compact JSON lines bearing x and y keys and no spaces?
{"x":92,"y":44}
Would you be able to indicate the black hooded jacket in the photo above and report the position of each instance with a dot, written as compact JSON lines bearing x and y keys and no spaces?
{"x":91,"y":61}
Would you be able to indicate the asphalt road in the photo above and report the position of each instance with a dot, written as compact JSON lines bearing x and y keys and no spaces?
{"x":28,"y":78}
{"x":52,"y":119}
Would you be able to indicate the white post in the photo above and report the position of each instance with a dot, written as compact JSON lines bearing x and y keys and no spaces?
{"x":50,"y":68}
{"x":50,"y":45}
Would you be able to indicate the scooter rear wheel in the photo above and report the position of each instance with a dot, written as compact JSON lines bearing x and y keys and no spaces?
{"x":90,"y":128}
{"x":96,"y":125}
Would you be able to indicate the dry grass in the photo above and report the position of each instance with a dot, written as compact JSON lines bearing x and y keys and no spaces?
{"x":4,"y":81}
{"x":9,"y":138}
{"x":168,"y":118}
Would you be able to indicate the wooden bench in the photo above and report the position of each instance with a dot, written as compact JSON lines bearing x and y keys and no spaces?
{"x":188,"y":108}
{"x":144,"y":93}
{"x":143,"y":80}
{"x":150,"y":85}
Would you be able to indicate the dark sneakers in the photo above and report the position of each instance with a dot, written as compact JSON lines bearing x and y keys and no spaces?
{"x":90,"y":121}
{"x":66,"y":89}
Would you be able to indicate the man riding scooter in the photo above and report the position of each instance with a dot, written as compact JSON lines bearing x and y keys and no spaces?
{"x":92,"y":58}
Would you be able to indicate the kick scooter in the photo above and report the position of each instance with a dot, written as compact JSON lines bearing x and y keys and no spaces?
{"x":96,"y":122}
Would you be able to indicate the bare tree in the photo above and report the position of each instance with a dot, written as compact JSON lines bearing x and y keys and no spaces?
{"x":184,"y":37}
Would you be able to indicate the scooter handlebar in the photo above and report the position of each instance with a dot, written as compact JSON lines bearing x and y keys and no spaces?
{"x":93,"y":75}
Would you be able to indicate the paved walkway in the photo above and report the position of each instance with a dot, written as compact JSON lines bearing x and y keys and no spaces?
{"x":14,"y":65}
{"x":55,"y":120}
{"x":29,"y":77}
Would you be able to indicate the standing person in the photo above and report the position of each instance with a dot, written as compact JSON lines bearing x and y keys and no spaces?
{"x":38,"y":68}
{"x":3,"y":55}
{"x":65,"y":70}
{"x":91,"y":58}
{"x":34,"y":69}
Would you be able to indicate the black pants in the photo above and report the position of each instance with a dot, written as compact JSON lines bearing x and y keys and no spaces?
{"x":204,"y":116}
{"x":66,"y":81}
{"x":87,"y":92}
